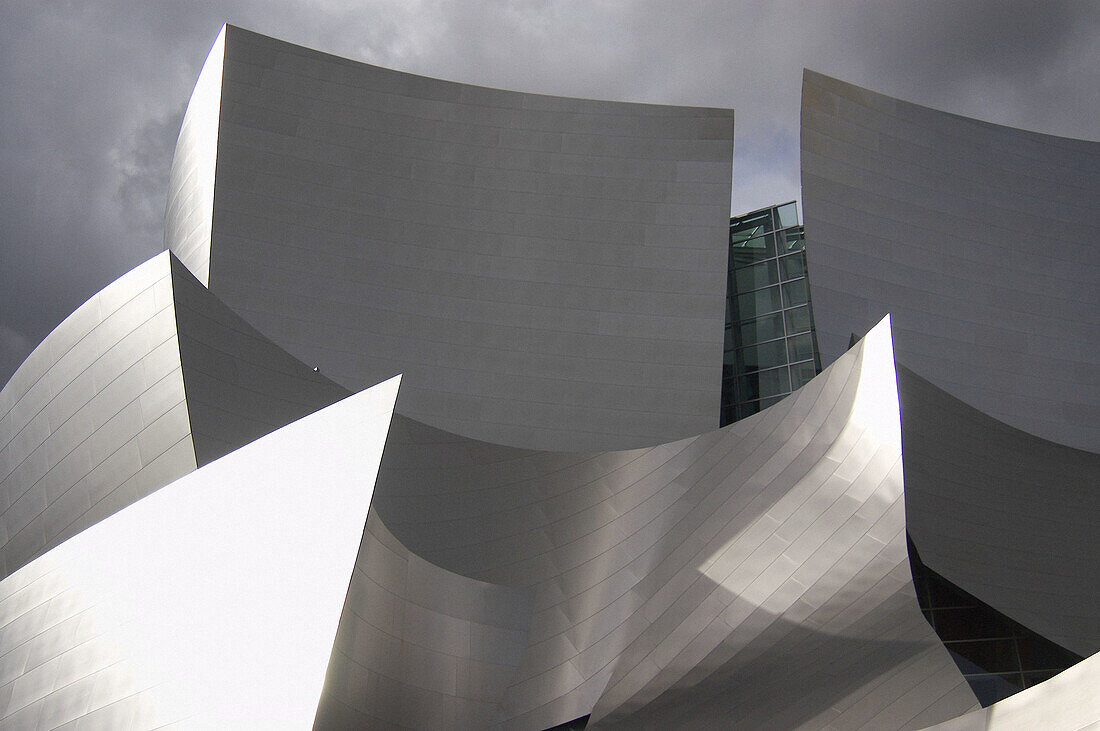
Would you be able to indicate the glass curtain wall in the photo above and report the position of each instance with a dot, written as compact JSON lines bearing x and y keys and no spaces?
{"x":771,"y":345}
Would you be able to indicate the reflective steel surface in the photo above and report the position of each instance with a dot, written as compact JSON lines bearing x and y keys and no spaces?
{"x":1006,"y":515}
{"x":548,"y":272}
{"x":673,"y":583}
{"x":979,"y":240}
{"x":150,"y":378}
{"x":210,"y":604}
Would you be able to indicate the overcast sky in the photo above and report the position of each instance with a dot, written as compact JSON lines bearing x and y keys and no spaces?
{"x":92,"y":93}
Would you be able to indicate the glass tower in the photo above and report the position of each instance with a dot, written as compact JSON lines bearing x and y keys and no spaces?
{"x":771,"y":346}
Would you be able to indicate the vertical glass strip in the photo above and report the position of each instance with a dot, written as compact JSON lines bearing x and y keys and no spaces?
{"x":769,"y":317}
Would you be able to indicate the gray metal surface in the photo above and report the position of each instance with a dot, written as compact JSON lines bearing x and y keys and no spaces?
{"x":149,"y":378}
{"x":95,"y":418}
{"x":535,"y":587}
{"x":420,"y":646}
{"x":239,"y":384}
{"x":212,"y":604}
{"x":979,"y":240}
{"x":1009,"y":517}
{"x":697,"y":582}
{"x":546,"y":272}
{"x":550,"y":273}
{"x":187,"y":214}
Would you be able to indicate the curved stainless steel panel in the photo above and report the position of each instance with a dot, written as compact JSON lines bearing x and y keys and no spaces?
{"x":211,"y":604}
{"x":979,"y":240}
{"x":239,"y":384}
{"x":95,"y":418}
{"x":149,"y":378}
{"x":662,"y":575}
{"x":187,"y":214}
{"x":1006,"y":515}
{"x":545,"y":271}
{"x":420,"y":646}
{"x":631,"y":585}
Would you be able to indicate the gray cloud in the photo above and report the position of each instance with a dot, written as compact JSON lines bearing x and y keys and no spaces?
{"x":93,"y":93}
{"x":14,"y":347}
{"x":141,"y":164}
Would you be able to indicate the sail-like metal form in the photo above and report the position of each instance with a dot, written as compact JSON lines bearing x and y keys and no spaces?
{"x":522,"y":589}
{"x":150,"y":378}
{"x":1007,"y":515}
{"x":696,"y":581}
{"x":978,"y":239}
{"x":210,"y":604}
{"x":548,"y":272}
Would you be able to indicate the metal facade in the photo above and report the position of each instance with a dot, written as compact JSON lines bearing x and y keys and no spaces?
{"x":662,"y":574}
{"x":1007,"y":515}
{"x":191,"y":610}
{"x":548,"y":272}
{"x":979,"y":240}
{"x":555,"y":529}
{"x":147,"y":380}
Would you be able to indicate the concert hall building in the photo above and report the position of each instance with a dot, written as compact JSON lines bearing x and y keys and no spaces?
{"x":455,"y":407}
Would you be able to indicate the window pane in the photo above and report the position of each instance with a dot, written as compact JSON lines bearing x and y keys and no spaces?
{"x":747,"y":409}
{"x":798,"y":319}
{"x":794,"y":293}
{"x":788,"y":215}
{"x":762,"y":328}
{"x":970,"y":623}
{"x":992,"y":656}
{"x":1039,"y":653}
{"x":750,"y":227}
{"x":755,"y":277}
{"x":754,"y":407}
{"x":800,"y":347}
{"x":765,"y":403}
{"x":765,"y":383}
{"x":801,"y":374}
{"x":727,"y":384}
{"x":759,"y":357}
{"x":748,"y":388}
{"x":750,"y":250}
{"x":793,"y":266}
{"x":1035,"y":678}
{"x":991,"y":688}
{"x":756,"y":303}
{"x":793,"y":241}
{"x":775,"y":382}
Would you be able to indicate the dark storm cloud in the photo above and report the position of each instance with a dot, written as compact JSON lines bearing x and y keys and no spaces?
{"x":94,"y":91}
{"x":1029,"y":64}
